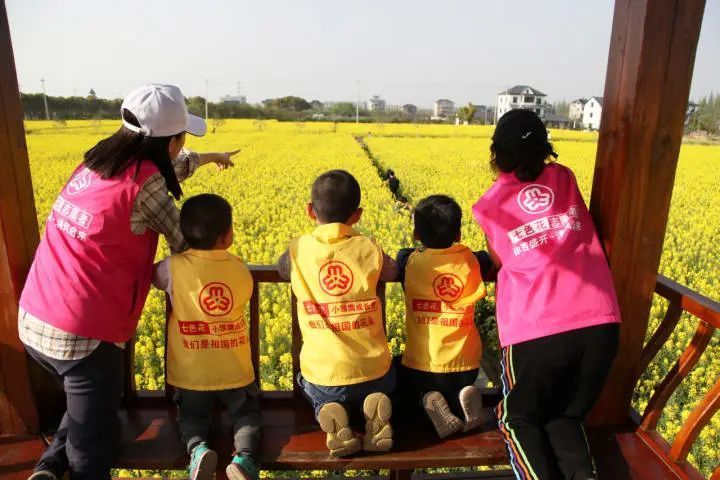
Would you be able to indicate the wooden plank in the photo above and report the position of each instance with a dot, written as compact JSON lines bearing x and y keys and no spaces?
{"x":691,"y":301}
{"x":18,"y":240}
{"x":652,"y":52}
{"x":292,"y":440}
{"x":19,"y":454}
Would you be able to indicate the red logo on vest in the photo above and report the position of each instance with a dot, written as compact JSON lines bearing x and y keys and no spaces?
{"x":336,"y":278}
{"x":448,"y":287}
{"x":216,"y":299}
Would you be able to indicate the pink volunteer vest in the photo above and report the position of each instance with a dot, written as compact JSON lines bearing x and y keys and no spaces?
{"x":91,"y":273}
{"x":554,"y":276}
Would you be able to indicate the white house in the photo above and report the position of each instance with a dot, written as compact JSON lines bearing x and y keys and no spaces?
{"x":443,"y":108}
{"x":576,"y":109}
{"x":592,"y":113}
{"x":522,"y":96}
{"x":376,"y":104}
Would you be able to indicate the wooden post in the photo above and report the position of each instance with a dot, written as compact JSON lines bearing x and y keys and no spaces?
{"x":18,"y":240}
{"x":650,"y":66}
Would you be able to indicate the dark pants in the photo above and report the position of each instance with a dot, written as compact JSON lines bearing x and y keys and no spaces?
{"x":86,"y":438}
{"x":349,"y":396}
{"x":195,"y":410}
{"x":414,"y":384}
{"x":549,"y":385}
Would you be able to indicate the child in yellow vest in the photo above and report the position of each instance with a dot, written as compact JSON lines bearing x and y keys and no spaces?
{"x":442,"y":281}
{"x":345,"y":362}
{"x":208,"y":338}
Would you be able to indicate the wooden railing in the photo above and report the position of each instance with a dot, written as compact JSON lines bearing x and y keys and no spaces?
{"x":681,"y":299}
{"x":261,"y":274}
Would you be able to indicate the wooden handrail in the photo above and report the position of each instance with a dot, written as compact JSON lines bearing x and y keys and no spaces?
{"x":681,"y":299}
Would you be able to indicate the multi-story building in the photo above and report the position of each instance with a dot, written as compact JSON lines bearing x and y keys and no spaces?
{"x":443,"y":108}
{"x":592,"y":113}
{"x":522,"y":96}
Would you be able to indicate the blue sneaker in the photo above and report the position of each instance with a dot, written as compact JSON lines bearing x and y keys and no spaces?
{"x":203,"y":463}
{"x":242,"y":468}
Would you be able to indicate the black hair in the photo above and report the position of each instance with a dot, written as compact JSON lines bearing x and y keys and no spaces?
{"x":390,"y":172}
{"x":335,"y":196}
{"x":123,"y":149}
{"x":437,"y":221}
{"x":520,"y":145}
{"x":204,"y":219}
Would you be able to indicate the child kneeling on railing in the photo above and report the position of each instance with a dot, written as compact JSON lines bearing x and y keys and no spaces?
{"x":442,"y":281}
{"x":345,"y":363}
{"x":208,"y":339}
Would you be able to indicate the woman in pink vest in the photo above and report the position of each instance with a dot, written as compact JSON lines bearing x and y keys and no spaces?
{"x":557,"y":311}
{"x":92,"y":270}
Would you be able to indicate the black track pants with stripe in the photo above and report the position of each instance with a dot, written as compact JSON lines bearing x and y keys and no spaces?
{"x":549,"y":385}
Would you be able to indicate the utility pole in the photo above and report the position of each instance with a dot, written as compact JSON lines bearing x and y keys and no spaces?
{"x":47,"y":112}
{"x":357,"y":103}
{"x":206,"y":100}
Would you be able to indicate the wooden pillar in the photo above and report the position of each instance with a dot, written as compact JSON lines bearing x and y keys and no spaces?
{"x":650,"y":66}
{"x":18,"y":240}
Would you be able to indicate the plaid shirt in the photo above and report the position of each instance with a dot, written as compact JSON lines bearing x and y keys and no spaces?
{"x":153,"y":209}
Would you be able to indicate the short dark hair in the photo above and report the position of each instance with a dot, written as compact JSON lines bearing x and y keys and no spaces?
{"x":204,"y":219}
{"x":335,"y":196}
{"x":437,"y":221}
{"x":520,"y":145}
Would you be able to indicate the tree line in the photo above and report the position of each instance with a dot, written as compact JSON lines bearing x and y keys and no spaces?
{"x":289,"y":108}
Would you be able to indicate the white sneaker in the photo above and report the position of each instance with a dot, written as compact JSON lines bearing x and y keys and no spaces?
{"x":472,"y":405}
{"x":378,"y":431}
{"x":43,"y":475}
{"x":340,"y":439}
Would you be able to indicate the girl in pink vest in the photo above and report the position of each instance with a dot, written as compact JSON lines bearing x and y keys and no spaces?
{"x":92,"y":270}
{"x":557,"y":311}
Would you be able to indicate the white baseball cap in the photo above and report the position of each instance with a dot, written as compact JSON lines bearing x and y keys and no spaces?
{"x":161,"y":112}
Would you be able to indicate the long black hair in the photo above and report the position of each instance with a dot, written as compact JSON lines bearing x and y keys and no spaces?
{"x":520,"y":145}
{"x":125,"y":148}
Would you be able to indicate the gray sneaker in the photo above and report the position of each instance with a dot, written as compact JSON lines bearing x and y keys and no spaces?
{"x":442,"y":418}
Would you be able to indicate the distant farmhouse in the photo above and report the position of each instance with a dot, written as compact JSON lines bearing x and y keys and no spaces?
{"x":376,"y":104}
{"x":528,"y":98}
{"x":443,"y":108}
{"x":592,"y":113}
{"x":575,"y":112}
{"x":409,"y":109}
{"x":484,"y":114}
{"x":522,"y":96}
{"x":234,"y":99}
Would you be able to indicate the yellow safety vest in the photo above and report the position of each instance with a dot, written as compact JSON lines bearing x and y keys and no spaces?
{"x":441,"y":288}
{"x":208,"y":344}
{"x":335,"y":272}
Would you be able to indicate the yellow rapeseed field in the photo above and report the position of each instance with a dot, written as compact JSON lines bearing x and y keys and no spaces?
{"x":270,"y":187}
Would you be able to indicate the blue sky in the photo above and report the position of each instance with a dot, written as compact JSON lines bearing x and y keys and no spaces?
{"x":405,"y":51}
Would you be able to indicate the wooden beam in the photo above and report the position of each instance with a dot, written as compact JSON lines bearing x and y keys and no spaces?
{"x":650,"y":66}
{"x":18,"y":240}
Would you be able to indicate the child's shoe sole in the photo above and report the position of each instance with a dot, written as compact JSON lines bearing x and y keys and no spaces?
{"x":378,"y":431}
{"x":341,"y":441}
{"x":475,"y":415}
{"x":206,"y":466}
{"x":234,"y":472}
{"x":442,"y":418}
